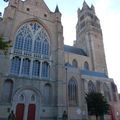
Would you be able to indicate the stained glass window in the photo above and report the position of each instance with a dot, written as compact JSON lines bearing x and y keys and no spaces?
{"x":26,"y":67}
{"x":31,"y":40}
{"x":28,"y":43}
{"x":91,"y":87}
{"x":72,"y":92}
{"x":19,"y":41}
{"x":37,"y":44}
{"x":36,"y":68}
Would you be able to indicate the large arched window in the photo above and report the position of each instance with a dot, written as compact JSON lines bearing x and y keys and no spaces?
{"x":91,"y":87}
{"x":26,"y":66}
{"x":32,"y":34}
{"x":72,"y":92}
{"x":7,"y":90}
{"x":36,"y":68}
{"x":15,"y":65}
{"x":106,"y":92}
{"x":74,"y":63}
{"x":47,"y":94}
{"x":32,"y":43}
{"x":86,"y":65}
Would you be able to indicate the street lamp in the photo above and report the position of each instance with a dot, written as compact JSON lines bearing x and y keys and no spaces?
{"x":66,"y":96}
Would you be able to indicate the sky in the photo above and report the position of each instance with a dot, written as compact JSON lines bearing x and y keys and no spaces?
{"x":108,"y":11}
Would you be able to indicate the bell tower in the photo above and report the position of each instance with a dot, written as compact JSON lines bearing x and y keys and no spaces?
{"x":89,"y":37}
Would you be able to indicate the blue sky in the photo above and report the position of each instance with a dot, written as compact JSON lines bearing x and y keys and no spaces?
{"x":108,"y":11}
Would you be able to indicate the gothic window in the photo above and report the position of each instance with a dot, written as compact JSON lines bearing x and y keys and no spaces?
{"x":28,"y":43}
{"x":37,"y":44}
{"x":45,"y":70}
{"x":91,"y":87}
{"x":31,"y":42}
{"x":19,"y":41}
{"x":86,"y":66}
{"x":15,"y":65}
{"x":45,"y":47}
{"x":26,"y":66}
{"x":7,"y":90}
{"x":47,"y":94}
{"x":36,"y":68}
{"x":74,"y":63}
{"x":106,"y":92}
{"x":72,"y":92}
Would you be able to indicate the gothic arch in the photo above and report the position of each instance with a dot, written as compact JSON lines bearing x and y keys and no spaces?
{"x":86,"y":65}
{"x":73,"y":91}
{"x":91,"y":86}
{"x":75,"y":63}
{"x":47,"y":94}
{"x":34,"y":20}
{"x":26,"y":99}
{"x":7,"y":90}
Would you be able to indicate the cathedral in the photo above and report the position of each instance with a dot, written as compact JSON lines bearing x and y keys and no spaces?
{"x":40,"y":77}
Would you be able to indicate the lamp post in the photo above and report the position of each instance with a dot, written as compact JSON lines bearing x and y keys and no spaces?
{"x":66,"y":96}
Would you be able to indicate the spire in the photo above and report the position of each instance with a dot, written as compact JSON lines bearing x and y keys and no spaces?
{"x":57,"y":9}
{"x":85,"y":5}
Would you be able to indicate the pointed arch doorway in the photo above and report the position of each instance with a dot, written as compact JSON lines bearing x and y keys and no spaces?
{"x":26,"y":105}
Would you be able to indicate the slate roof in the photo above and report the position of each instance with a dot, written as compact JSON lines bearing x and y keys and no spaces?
{"x":93,"y":73}
{"x":74,"y":50}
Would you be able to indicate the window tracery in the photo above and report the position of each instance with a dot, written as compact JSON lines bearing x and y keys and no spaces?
{"x":91,"y":87}
{"x":72,"y":92}
{"x":31,"y":40}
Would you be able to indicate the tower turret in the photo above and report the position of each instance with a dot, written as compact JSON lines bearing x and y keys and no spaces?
{"x":89,"y":37}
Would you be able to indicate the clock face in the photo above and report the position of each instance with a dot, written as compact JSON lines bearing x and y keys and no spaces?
{"x":78,"y":111}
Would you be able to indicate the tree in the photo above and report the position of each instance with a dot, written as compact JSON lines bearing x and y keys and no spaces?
{"x":97,"y":104}
{"x":4,"y":45}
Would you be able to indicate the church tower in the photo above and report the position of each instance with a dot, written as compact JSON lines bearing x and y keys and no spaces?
{"x":89,"y":37}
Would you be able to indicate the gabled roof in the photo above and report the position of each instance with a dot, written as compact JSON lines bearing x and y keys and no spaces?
{"x":74,"y":50}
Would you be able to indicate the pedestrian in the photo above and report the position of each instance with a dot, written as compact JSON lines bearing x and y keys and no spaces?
{"x":11,"y":116}
{"x":65,"y":116}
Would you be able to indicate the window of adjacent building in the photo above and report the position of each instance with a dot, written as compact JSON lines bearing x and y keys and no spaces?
{"x":86,"y":65}
{"x":7,"y":90}
{"x":32,"y":50}
{"x":72,"y":92}
{"x":91,"y":87}
{"x":74,"y":63}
